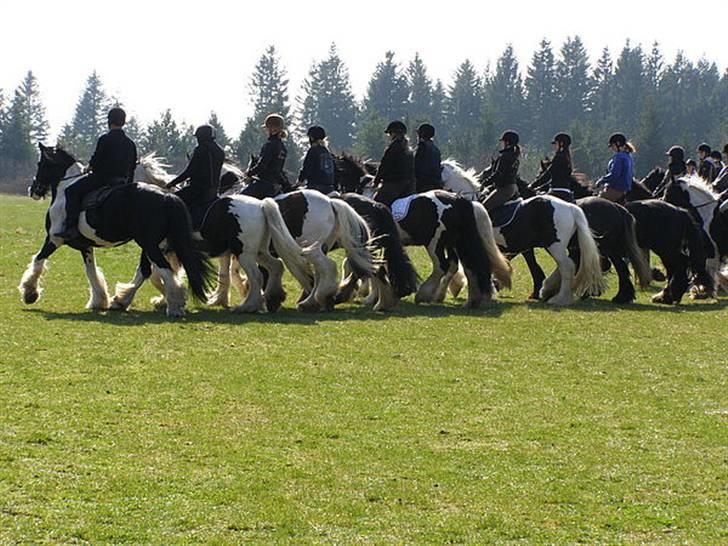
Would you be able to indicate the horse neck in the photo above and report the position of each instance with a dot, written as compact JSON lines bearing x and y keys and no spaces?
{"x":71,"y":175}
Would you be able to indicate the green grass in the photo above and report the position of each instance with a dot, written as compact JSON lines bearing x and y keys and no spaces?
{"x":429,"y":424}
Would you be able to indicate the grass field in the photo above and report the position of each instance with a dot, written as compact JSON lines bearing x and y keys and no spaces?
{"x":428,"y":424}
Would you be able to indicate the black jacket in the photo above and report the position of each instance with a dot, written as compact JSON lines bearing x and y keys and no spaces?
{"x":706,"y":169}
{"x":505,"y":170}
{"x":269,"y":167}
{"x":115,"y":156}
{"x":428,"y":167}
{"x":674,"y":169}
{"x":397,"y":165}
{"x":557,"y":174}
{"x":204,"y":167}
{"x":318,"y":169}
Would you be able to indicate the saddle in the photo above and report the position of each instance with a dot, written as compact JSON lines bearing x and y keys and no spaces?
{"x":95,"y":198}
{"x":400,"y":207}
{"x":501,"y":216}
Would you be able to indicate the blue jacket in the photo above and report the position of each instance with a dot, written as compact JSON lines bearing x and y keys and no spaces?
{"x":318,"y":170}
{"x":619,"y":172}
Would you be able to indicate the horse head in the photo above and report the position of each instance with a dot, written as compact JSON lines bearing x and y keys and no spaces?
{"x":52,"y":167}
{"x":689,"y":192}
{"x":653,"y":178}
{"x":350,"y":174}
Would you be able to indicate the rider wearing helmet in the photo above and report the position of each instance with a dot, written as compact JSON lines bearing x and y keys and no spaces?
{"x":557,"y":174}
{"x":618,"y":180}
{"x":676,"y":167}
{"x":721,"y":181}
{"x":112,"y":163}
{"x":203,"y":170}
{"x":396,"y":170}
{"x":318,"y":165}
{"x":428,"y":167}
{"x":268,"y":169}
{"x":706,"y":168}
{"x":504,"y":173}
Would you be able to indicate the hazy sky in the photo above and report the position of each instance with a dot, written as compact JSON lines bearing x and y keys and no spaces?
{"x":197,"y":57}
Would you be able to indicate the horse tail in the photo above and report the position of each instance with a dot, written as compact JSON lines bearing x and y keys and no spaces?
{"x":693,"y":240}
{"x":400,"y":270}
{"x":200,"y":272}
{"x":634,"y":252}
{"x":353,"y":235}
{"x":501,"y":267}
{"x":470,"y":246}
{"x":589,"y":278}
{"x":284,"y":243}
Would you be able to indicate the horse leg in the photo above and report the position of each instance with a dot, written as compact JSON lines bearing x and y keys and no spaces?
{"x":323,"y":294}
{"x":253,"y":302}
{"x":222,"y":293}
{"x":99,"y":295}
{"x":174,"y":292}
{"x":29,"y":283}
{"x":125,"y":292}
{"x":274,"y":293}
{"x":566,"y":271}
{"x":385,"y":294}
{"x":427,"y":290}
{"x":626,"y":293}
{"x":537,"y":274}
{"x":457,"y":283}
{"x":348,"y":285}
{"x":452,"y":269}
{"x":475,"y":294}
{"x":676,"y":265}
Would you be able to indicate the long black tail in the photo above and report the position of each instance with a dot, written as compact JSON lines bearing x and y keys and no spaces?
{"x":401,"y":272}
{"x":200,"y":272}
{"x":693,"y":239}
{"x":634,"y":252}
{"x":469,"y":245}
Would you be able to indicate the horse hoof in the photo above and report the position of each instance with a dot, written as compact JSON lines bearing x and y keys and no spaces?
{"x":274,"y":302}
{"x":175,"y":313}
{"x":662,"y":298}
{"x":622,"y":299}
{"x":534,"y":296}
{"x":472,"y":304}
{"x":30,"y":297}
{"x":117,"y":306}
{"x":657,"y":275}
{"x":310,"y":307}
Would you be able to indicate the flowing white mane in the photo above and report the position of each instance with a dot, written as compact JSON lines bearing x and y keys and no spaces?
{"x":695,"y":184}
{"x":457,"y":179}
{"x":154,"y":169}
{"x":230,"y":167}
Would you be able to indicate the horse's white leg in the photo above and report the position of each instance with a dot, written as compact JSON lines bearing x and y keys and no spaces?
{"x":99,"y":295}
{"x":159,"y":302}
{"x":426,"y":292}
{"x":174,"y":292}
{"x":452,"y":270}
{"x":385,"y":295}
{"x":238,"y":279}
{"x":567,"y":269}
{"x":274,"y":293}
{"x":368,"y":293}
{"x":550,"y":285}
{"x":30,"y":282}
{"x":457,"y":283}
{"x":324,"y":289}
{"x":253,"y":303}
{"x":222,"y":293}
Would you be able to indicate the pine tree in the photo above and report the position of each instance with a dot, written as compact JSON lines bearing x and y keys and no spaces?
{"x":439,"y":114}
{"x":17,"y":148}
{"x":629,"y":87}
{"x":370,"y":138}
{"x":165,"y":138}
{"x":89,"y":120}
{"x":541,"y":100}
{"x":388,"y":91}
{"x":464,"y":112}
{"x":221,"y":136}
{"x":420,"y":91}
{"x":572,"y":82}
{"x":327,"y":100}
{"x":34,"y":107}
{"x":600,"y":95}
{"x":505,"y":91}
{"x":133,"y":130}
{"x":654,"y":66}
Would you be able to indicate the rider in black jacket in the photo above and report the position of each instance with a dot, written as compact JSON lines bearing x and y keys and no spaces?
{"x":318,"y":165}
{"x":396,"y":170}
{"x":557,"y":175}
{"x":504,"y":174}
{"x":428,"y":166}
{"x":270,"y":180}
{"x":675,"y":168}
{"x":112,"y":163}
{"x":203,"y":170}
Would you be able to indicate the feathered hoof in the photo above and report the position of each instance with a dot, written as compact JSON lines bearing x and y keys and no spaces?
{"x":175,"y":313}
{"x":31,"y":297}
{"x":623,"y":298}
{"x":309,"y":307}
{"x":274,"y":302}
{"x":559,"y":302}
{"x":701,"y":293}
{"x":218,"y":300}
{"x":662,"y":298}
{"x":117,"y":305}
{"x":658,"y":275}
{"x":159,"y":303}
{"x":472,"y":304}
{"x":534,"y":296}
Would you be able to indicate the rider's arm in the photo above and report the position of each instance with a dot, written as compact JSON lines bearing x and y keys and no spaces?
{"x":614,"y":172}
{"x":98,"y":153}
{"x":133,"y":162}
{"x":184,"y":175}
{"x":307,"y":167}
{"x":266,"y":156}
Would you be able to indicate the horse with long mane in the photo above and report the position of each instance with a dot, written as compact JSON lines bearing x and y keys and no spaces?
{"x":157,"y":221}
{"x":543,"y":222}
{"x":453,"y":230}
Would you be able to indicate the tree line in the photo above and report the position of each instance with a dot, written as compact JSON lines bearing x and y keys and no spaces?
{"x":655,"y":102}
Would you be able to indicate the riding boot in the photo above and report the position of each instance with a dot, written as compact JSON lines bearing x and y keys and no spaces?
{"x":73,"y":210}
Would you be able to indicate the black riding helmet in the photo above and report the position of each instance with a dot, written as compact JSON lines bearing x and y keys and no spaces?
{"x":116,"y":116}
{"x":316,"y":133}
{"x":396,"y":128}
{"x":704,"y":148}
{"x":677,"y":153}
{"x":562,"y":138}
{"x":510,"y":138}
{"x":205,"y":133}
{"x":426,"y":131}
{"x":691,"y":162}
{"x":618,"y":139}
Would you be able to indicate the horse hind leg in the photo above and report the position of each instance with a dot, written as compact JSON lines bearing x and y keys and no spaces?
{"x":274,"y":293}
{"x":452,"y":270}
{"x":385,"y":294}
{"x":323,"y":294}
{"x":253,"y":302}
{"x":125,"y":292}
{"x":29,"y":286}
{"x":566,"y":271}
{"x":221,"y":296}
{"x":174,"y":292}
{"x":428,"y":289}
{"x":626,"y":293}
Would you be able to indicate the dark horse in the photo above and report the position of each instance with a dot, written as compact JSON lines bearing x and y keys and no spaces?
{"x":157,"y":221}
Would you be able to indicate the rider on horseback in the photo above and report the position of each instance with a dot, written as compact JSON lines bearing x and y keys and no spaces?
{"x":428,"y":167}
{"x":706,"y":170}
{"x":504,"y":173}
{"x":318,"y":165}
{"x":618,"y":180}
{"x":112,"y":163}
{"x":676,"y":168}
{"x":203,"y":170}
{"x":268,"y":169}
{"x":557,"y":174}
{"x":396,"y":170}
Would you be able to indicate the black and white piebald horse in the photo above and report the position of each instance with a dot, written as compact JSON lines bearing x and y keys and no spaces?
{"x":543,"y":222}
{"x":452,"y":229}
{"x":693,"y":194}
{"x":157,"y":221}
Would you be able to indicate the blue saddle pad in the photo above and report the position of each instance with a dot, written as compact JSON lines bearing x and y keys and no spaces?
{"x":504,"y":215}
